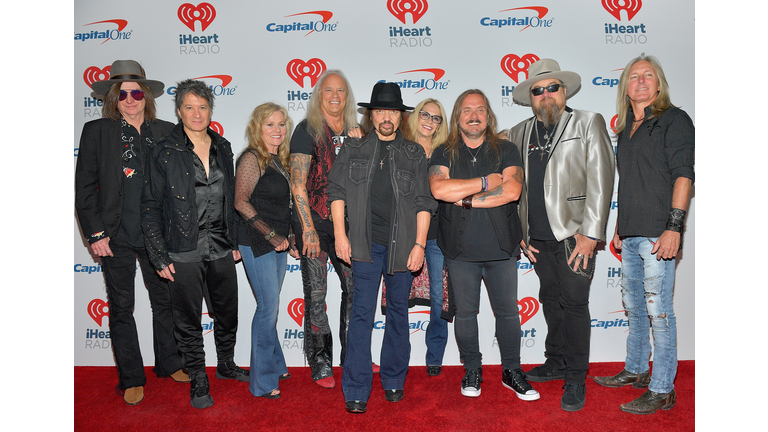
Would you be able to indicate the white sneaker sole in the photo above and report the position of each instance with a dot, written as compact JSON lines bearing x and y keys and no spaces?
{"x":527,"y":396}
{"x":470,"y":392}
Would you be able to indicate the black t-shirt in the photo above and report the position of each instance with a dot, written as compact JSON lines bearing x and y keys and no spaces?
{"x":382,"y":197}
{"x":132,"y":148}
{"x":479,"y":237}
{"x":538,"y":155}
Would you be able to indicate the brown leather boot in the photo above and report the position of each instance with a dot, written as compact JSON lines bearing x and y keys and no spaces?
{"x":625,"y":378}
{"x":650,"y":402}
{"x":180,"y":376}
{"x":134,"y":395}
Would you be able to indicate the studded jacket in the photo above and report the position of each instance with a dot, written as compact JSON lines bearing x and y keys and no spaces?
{"x":168,"y":205}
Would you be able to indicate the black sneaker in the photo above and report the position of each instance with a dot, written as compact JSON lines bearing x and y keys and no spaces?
{"x":229,"y":370}
{"x":394,"y":395}
{"x":470,"y":384}
{"x":199,"y":393}
{"x":515,"y":380}
{"x":574,"y":397}
{"x":544,"y":373}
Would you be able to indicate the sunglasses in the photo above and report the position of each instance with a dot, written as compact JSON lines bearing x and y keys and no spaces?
{"x":552,"y":88}
{"x":426,"y":116}
{"x":137,"y":95}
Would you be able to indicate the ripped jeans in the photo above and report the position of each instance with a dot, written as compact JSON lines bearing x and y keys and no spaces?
{"x":647,"y":291}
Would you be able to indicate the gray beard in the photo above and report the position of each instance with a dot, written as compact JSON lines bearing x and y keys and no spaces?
{"x":549,"y":113}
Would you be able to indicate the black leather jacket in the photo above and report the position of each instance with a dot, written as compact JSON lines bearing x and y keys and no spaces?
{"x":350,"y":180}
{"x":168,"y":205}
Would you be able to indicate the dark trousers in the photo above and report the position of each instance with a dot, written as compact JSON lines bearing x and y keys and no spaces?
{"x":357,"y":377}
{"x":119,"y":277}
{"x":318,"y":343}
{"x":564,"y":297}
{"x":187,"y":298}
{"x":501,"y":283}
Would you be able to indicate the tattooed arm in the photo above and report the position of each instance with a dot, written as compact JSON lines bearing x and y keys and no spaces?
{"x":508,"y":191}
{"x":447,"y":189}
{"x":299,"y":172}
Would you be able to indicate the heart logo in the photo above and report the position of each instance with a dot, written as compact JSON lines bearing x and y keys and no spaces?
{"x":615,"y":253}
{"x":97,"y":310}
{"x":512,"y":65}
{"x":528,"y":308}
{"x":614,"y":7}
{"x":398,"y":8}
{"x":93,"y":74}
{"x":204,"y":12}
{"x":298,"y":70}
{"x":217,"y":127}
{"x":296,"y":310}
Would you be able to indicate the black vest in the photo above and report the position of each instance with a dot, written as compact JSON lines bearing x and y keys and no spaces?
{"x":452,"y":218}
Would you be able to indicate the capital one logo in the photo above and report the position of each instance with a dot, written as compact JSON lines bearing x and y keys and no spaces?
{"x":97,"y":310}
{"x":298,"y":70}
{"x":296,"y":310}
{"x":107,"y":35}
{"x":218,"y":90}
{"x":528,"y":307}
{"x":433,"y":83}
{"x":400,"y":8}
{"x":93,"y":74}
{"x":513,"y":65}
{"x":631,"y":7}
{"x":205,"y":13}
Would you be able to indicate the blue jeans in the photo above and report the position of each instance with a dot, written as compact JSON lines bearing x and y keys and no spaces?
{"x":646,"y":290}
{"x":266,"y":275}
{"x":357,"y":377}
{"x":437,"y":331}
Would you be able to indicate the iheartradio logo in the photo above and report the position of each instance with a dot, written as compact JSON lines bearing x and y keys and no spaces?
{"x":614,"y":121}
{"x":614,"y":7}
{"x":512,"y":65}
{"x":298,"y":70}
{"x":205,"y":13}
{"x":97,"y":310}
{"x":217,"y":127}
{"x":528,"y":308}
{"x":296,"y":310}
{"x":93,"y":74}
{"x":399,"y":8}
{"x":615,"y":253}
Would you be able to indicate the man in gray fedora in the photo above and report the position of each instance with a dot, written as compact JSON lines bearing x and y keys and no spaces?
{"x":569,"y":170}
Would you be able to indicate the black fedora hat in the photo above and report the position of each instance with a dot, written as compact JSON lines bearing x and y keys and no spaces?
{"x":386,"y":96}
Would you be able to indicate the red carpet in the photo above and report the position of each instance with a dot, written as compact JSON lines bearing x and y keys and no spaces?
{"x":430,"y":404}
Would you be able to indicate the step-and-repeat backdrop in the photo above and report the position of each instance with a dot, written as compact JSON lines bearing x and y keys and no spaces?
{"x":253,"y":52}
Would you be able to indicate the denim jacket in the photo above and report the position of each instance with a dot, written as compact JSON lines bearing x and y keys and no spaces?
{"x":351,"y":178}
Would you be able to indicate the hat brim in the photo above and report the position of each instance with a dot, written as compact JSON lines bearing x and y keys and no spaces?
{"x":102,"y":87}
{"x":571,"y":80}
{"x":393,"y":106}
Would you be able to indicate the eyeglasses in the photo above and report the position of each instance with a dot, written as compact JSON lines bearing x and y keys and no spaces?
{"x":137,"y":95}
{"x":427,"y":116}
{"x":552,"y":88}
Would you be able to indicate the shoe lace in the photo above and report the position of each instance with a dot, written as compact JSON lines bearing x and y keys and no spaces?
{"x":519,"y":378}
{"x":472,"y":379}
{"x":201,"y":387}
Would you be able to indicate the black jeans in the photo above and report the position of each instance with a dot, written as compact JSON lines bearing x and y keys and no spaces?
{"x":501,"y":283}
{"x":187,"y":298}
{"x":119,"y":277}
{"x":564,"y":297}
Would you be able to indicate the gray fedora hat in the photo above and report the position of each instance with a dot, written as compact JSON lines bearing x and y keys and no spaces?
{"x":386,"y":96}
{"x":127,"y":71}
{"x":541,"y":70}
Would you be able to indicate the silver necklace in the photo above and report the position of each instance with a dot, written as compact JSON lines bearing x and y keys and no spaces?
{"x":474,"y":156}
{"x":548,"y":135}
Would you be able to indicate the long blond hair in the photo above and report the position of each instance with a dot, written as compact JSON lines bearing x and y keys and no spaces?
{"x":440,"y":135}
{"x":315,"y":119}
{"x":253,"y":133}
{"x":658,"y":106}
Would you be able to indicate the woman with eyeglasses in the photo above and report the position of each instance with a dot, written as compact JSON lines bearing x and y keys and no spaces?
{"x":109,"y":178}
{"x":427,"y":126}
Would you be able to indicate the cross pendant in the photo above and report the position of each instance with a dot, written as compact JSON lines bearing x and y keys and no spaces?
{"x":381,"y":164}
{"x":474,"y":160}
